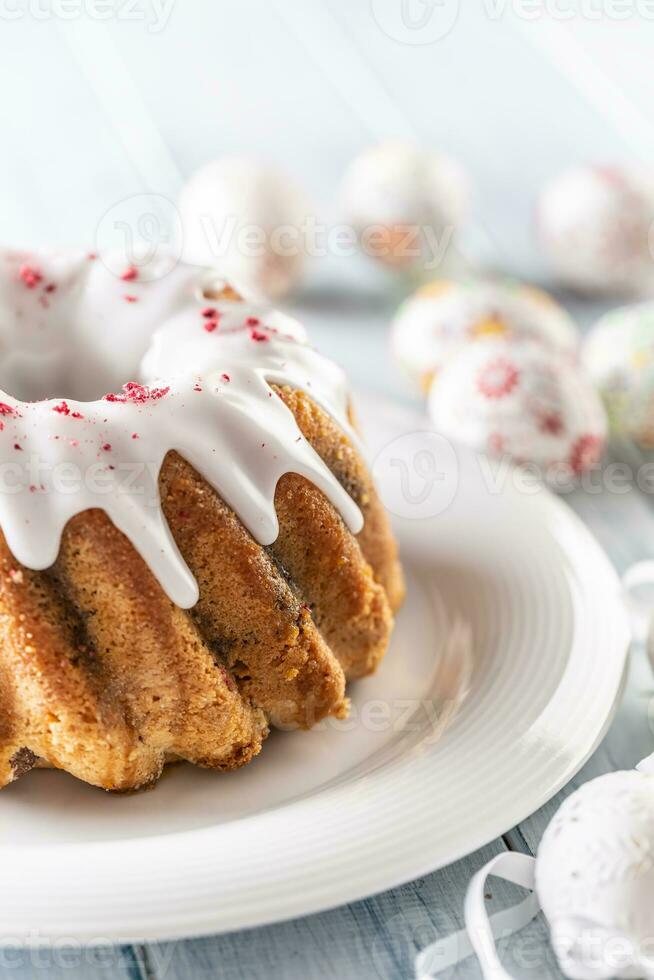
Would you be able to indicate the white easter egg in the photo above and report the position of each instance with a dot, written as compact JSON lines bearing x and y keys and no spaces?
{"x":595,"y":878}
{"x":405,"y":204}
{"x":522,"y":400}
{"x":618,"y":355}
{"x":250,"y":221}
{"x":443,"y":316}
{"x":594,"y":224}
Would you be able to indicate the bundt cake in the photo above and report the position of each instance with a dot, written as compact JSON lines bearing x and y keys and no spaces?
{"x":185,"y":558}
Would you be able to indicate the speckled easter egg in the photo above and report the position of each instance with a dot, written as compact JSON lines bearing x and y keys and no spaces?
{"x":618,"y":355}
{"x":249,"y":220}
{"x":594,"y":224}
{"x":595,"y":878}
{"x":443,"y":316}
{"x":523,"y":400}
{"x":405,"y":204}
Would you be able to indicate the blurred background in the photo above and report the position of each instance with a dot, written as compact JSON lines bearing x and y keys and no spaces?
{"x":104,"y":99}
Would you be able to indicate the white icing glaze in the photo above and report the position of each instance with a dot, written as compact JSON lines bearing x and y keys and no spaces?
{"x":595,"y":878}
{"x":209,"y":398}
{"x":437,"y":320}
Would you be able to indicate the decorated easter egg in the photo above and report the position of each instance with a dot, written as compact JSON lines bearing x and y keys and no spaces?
{"x":618,"y":355}
{"x":594,"y":224}
{"x":595,"y":878}
{"x":405,"y":204}
{"x":250,"y":221}
{"x":444,"y":315}
{"x":522,"y":400}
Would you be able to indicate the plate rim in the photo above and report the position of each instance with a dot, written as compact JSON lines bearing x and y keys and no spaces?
{"x":101,"y":856}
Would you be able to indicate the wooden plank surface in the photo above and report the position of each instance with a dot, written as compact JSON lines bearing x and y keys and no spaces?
{"x":376,"y":939}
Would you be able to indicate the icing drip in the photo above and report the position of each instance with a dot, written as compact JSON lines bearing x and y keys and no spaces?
{"x":205,"y":366}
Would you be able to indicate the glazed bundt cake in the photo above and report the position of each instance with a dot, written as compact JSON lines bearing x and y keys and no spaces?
{"x":186,"y":558}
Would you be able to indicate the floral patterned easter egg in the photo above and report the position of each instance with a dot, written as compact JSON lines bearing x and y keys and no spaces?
{"x":522,"y":400}
{"x":594,"y":224}
{"x":439,"y":318}
{"x":595,"y":878}
{"x":405,"y":204}
{"x":618,"y":355}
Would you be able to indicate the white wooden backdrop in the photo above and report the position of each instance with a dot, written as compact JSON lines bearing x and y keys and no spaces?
{"x":93,"y":111}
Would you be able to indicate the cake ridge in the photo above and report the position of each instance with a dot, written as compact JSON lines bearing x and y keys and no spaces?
{"x":195,"y":555}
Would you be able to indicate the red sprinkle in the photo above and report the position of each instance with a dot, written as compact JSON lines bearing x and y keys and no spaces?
{"x":50,"y":288}
{"x":130,"y":274}
{"x":196,"y":387}
{"x":63,"y":409}
{"x":134,"y":392}
{"x":16,"y":446}
{"x":107,"y":447}
{"x":253,"y":321}
{"x":210,"y":312}
{"x":92,"y":256}
{"x":30,"y":276}
{"x":135,"y":435}
{"x":210,"y":325}
{"x":259,"y":336}
{"x":7,"y":410}
{"x":225,"y":377}
{"x":131,"y":299}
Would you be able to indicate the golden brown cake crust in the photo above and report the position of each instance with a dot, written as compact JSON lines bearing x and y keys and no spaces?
{"x":103,"y":676}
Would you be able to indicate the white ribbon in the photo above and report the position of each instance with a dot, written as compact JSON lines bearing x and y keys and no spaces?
{"x":481,"y":931}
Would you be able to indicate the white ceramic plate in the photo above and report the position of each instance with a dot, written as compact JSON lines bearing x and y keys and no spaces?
{"x":326,"y":817}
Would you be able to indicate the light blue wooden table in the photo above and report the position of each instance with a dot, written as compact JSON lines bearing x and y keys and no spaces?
{"x":93,"y":111}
